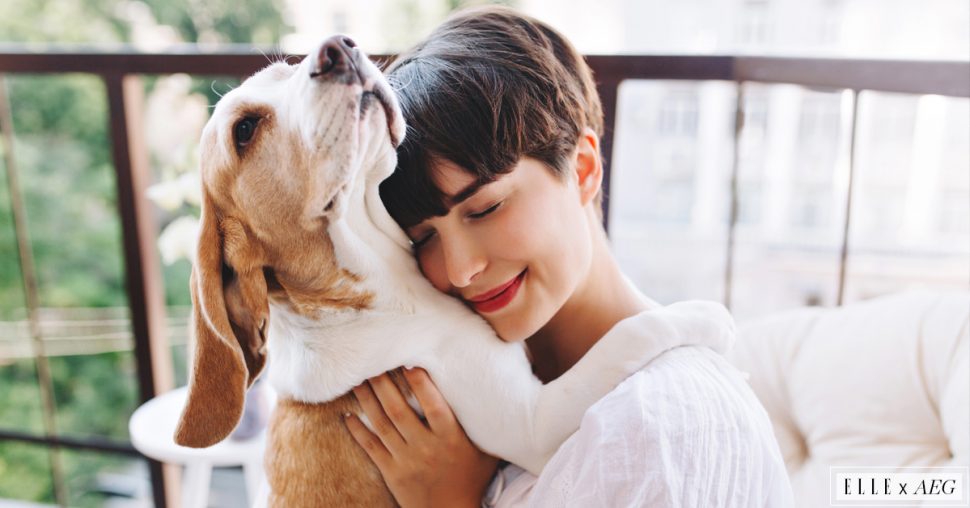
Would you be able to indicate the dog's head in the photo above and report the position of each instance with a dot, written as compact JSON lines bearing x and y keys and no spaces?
{"x":279,"y":156}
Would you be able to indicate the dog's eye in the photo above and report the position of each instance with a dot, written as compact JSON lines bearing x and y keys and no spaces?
{"x":244,"y":130}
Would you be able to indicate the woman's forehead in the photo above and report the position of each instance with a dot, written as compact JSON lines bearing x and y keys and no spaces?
{"x":454,"y":181}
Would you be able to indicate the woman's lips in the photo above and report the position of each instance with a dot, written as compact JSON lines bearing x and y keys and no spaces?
{"x":499,"y":297}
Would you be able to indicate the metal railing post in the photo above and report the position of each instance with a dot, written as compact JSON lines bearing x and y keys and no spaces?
{"x":142,"y":272}
{"x":844,"y":254}
{"x":608,"y":89}
{"x":733,"y":210}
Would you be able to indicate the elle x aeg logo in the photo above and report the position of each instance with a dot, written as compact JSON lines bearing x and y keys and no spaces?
{"x":911,"y":486}
{"x":881,"y":485}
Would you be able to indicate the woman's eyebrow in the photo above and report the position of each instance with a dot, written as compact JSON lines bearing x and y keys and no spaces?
{"x":467,"y":192}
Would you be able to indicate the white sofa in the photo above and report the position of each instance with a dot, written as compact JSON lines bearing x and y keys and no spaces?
{"x":884,"y":382}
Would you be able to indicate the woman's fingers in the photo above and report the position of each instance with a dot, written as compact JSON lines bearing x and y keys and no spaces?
{"x":371,"y":444}
{"x":379,"y":421}
{"x":397,"y":408}
{"x":436,"y":409}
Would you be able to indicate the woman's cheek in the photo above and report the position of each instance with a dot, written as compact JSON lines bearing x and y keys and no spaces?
{"x":433,"y":268}
{"x":515,"y":229}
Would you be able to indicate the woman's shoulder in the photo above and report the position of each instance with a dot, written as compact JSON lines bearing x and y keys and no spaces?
{"x":688,"y":414}
{"x":701,"y":368}
{"x":686,"y":387}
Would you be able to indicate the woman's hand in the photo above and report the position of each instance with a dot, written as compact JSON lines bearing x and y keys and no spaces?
{"x":424,"y":465}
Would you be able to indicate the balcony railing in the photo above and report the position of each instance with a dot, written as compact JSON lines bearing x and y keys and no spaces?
{"x":121,"y":73}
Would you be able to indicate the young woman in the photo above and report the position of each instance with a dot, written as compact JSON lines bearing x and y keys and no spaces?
{"x":498,"y":185}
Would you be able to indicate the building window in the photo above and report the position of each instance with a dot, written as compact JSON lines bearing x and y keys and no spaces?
{"x":678,"y":115}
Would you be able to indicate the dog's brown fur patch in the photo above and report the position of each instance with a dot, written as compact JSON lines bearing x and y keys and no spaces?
{"x":306,"y":441}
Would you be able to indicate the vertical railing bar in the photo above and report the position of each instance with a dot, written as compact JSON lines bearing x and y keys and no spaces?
{"x":142,"y":272}
{"x":844,"y":255}
{"x":608,"y":89}
{"x":28,"y":276}
{"x":733,"y":212}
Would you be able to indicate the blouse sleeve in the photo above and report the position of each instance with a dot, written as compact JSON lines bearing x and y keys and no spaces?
{"x":686,"y":431}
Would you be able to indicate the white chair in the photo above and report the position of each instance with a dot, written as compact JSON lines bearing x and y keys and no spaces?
{"x":884,"y":382}
{"x":152,"y":429}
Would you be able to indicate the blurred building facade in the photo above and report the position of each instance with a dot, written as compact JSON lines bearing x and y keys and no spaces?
{"x":910,"y":214}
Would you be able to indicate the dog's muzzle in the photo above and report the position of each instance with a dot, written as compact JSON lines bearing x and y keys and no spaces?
{"x":336,"y":59}
{"x":339,"y":59}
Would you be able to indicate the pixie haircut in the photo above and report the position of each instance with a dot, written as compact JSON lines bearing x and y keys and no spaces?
{"x":486,"y":88}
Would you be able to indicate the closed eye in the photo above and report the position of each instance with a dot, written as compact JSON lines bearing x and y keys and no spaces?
{"x":417,"y":244}
{"x":423,"y":240}
{"x":485,"y":212}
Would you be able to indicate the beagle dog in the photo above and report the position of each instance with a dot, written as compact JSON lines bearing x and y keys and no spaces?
{"x":299,"y":261}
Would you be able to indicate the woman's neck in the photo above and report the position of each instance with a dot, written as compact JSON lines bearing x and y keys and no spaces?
{"x":603,"y":299}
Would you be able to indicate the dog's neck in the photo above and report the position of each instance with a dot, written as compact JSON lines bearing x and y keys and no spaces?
{"x":343,"y":263}
{"x":368,"y":242}
{"x":358,"y":257}
{"x":322,"y":355}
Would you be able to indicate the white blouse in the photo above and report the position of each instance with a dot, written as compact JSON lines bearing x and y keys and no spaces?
{"x":685,"y":431}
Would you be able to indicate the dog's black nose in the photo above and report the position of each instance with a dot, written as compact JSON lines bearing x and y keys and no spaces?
{"x":334,"y":56}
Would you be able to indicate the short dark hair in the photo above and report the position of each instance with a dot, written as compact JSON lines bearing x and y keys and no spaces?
{"x":486,"y":88}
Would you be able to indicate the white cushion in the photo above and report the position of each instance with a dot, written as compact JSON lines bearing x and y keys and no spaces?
{"x":885,"y":382}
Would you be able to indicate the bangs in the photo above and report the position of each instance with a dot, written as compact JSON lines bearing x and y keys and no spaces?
{"x":471,"y":133}
{"x":411,"y":195}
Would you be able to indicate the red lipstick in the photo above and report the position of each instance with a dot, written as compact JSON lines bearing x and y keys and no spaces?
{"x":497,"y":298}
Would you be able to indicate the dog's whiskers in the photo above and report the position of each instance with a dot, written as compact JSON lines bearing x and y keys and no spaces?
{"x":383,"y":62}
{"x":271,"y":58}
{"x":275,"y":56}
{"x":212,"y":86}
{"x":282,"y":57}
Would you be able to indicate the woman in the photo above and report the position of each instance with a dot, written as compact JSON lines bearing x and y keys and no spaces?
{"x":498,"y":186}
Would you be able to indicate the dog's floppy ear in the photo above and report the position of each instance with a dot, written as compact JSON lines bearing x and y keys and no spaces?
{"x":230,"y":313}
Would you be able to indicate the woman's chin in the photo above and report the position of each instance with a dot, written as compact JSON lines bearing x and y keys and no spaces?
{"x":512,"y":338}
{"x":514,"y":328}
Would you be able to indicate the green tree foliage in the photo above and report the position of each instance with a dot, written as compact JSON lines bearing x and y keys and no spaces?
{"x":32,"y":21}
{"x":250,"y":22}
{"x":25,"y":472}
{"x":68,"y":185}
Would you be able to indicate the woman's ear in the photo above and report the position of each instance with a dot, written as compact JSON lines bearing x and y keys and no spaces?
{"x":589,"y":165}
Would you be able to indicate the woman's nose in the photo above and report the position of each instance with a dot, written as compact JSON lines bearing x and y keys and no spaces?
{"x":464,"y":259}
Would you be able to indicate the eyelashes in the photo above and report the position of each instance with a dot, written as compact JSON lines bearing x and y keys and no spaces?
{"x":417,"y":244}
{"x":486,"y":211}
